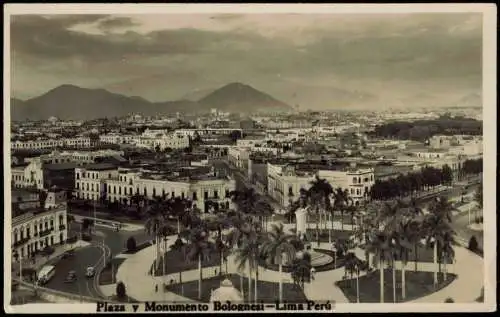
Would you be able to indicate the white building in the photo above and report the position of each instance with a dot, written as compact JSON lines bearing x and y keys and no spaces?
{"x":285,"y":182}
{"x":238,"y":156}
{"x":89,"y":180}
{"x":34,"y":228}
{"x":80,"y":142}
{"x":29,"y":174}
{"x":119,"y":185}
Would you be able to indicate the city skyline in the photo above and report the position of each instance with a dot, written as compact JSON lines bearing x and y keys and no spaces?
{"x":318,"y":61}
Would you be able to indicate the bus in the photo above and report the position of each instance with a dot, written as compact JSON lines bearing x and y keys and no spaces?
{"x":45,"y":274}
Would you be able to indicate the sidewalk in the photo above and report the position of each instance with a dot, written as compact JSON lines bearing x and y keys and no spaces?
{"x":141,"y":286}
{"x":125,"y":226}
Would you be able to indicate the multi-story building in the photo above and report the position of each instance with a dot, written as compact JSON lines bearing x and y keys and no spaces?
{"x":207,"y":131}
{"x":35,"y":227}
{"x":80,"y":142}
{"x":238,"y":156}
{"x":286,"y":181}
{"x":29,"y":174}
{"x":121,"y":184}
{"x":90,"y":180}
{"x":115,"y":138}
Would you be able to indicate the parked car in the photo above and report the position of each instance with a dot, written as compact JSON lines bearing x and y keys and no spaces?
{"x":71,"y":277}
{"x":68,"y":254}
{"x":90,"y":272}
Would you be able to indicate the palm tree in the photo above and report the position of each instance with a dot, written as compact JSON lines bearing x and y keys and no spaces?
{"x":448,"y":253}
{"x":180,"y":247}
{"x":436,"y":226}
{"x":152,"y":228}
{"x":380,"y":245}
{"x":340,"y":203}
{"x":319,"y":200}
{"x":277,"y":245}
{"x":164,"y":231}
{"x":237,"y":238}
{"x":404,"y":246}
{"x":199,"y":249}
{"x":353,"y":265}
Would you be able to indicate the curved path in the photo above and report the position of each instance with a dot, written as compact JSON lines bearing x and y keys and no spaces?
{"x":141,"y":286}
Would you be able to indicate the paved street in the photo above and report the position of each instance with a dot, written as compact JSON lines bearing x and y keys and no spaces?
{"x":114,"y":244}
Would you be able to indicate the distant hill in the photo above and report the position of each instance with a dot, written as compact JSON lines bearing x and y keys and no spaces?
{"x":237,"y":97}
{"x":73,"y":102}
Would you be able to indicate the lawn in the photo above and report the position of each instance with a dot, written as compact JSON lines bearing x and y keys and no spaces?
{"x":418,"y":284}
{"x":108,"y":274}
{"x":266,"y":291}
{"x":424,"y":254}
{"x":177,"y":263}
{"x":324,"y":235}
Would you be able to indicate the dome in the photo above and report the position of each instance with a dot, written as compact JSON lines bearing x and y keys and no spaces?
{"x":226,"y":292}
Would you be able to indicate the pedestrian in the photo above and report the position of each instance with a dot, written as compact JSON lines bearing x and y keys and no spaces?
{"x":215,"y":272}
{"x":156,"y":288}
{"x":313,"y":271}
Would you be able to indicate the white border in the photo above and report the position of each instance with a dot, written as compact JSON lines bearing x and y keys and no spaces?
{"x":489,"y":125}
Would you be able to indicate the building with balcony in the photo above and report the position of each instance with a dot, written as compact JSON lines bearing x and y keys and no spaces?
{"x":286,"y":181}
{"x":36,"y":227}
{"x":79,"y":142}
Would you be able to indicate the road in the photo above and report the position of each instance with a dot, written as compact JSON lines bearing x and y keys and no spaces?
{"x":114,"y":244}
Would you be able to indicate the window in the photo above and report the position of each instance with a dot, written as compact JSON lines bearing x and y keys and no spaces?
{"x":354,"y":180}
{"x":205,"y":195}
{"x":227,"y":193}
{"x":87,"y":186}
{"x":216,"y":194}
{"x":51,"y":224}
{"x":145,"y":192}
{"x":28,"y":232}
{"x":195,"y":196}
{"x":77,"y":175}
{"x":130,"y":191}
{"x":77,"y":185}
{"x":114,"y":189}
{"x":154,"y":192}
{"x":92,"y":187}
{"x":352,"y":190}
{"x":182,"y":195}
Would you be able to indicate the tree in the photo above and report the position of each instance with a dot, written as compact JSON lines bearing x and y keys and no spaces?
{"x":473,"y":245}
{"x":379,"y":244}
{"x":319,"y":199}
{"x":404,"y":244}
{"x":198,"y":249}
{"x":447,"y":174}
{"x":152,"y":228}
{"x":277,"y":245}
{"x":131,"y":244}
{"x":436,"y":226}
{"x":180,"y":247}
{"x":341,"y":201}
{"x":121,"y":291}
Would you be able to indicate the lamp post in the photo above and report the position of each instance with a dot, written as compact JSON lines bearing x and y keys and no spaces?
{"x":357,"y":268}
{"x":334,"y":249}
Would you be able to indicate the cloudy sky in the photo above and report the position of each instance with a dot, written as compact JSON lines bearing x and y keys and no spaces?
{"x":318,"y":61}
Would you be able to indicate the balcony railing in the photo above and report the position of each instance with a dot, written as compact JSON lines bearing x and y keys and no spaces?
{"x":21,"y":241}
{"x":46,"y":232}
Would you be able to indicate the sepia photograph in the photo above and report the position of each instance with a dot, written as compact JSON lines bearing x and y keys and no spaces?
{"x":244,"y":158}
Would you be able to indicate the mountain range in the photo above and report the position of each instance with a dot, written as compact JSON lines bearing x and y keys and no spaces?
{"x":73,"y":102}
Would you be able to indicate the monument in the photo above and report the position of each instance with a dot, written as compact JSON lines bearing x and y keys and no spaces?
{"x":226,"y":292}
{"x":301,"y":222}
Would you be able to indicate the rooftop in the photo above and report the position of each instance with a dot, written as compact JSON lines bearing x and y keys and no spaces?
{"x":60,"y":166}
{"x":100,"y":167}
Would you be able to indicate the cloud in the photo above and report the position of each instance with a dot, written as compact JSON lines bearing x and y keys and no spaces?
{"x":323,"y":59}
{"x":116,"y":23}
